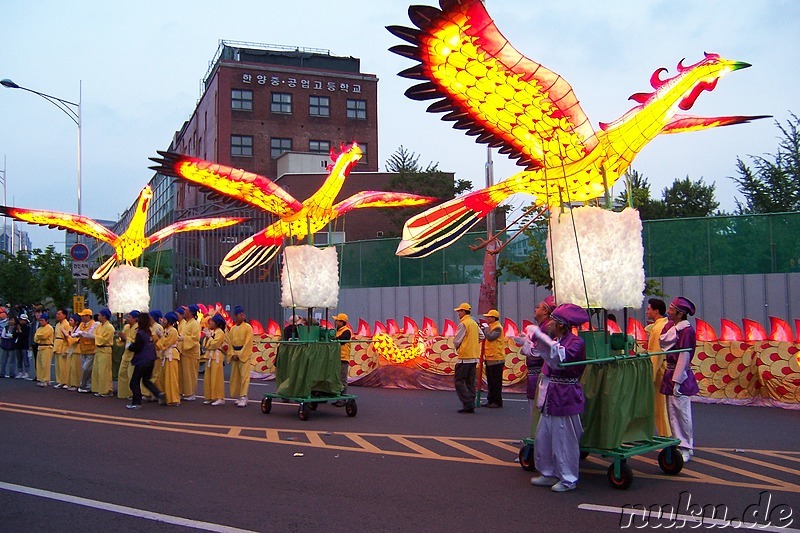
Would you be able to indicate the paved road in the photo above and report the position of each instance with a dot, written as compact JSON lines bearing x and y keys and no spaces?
{"x":406,"y":462}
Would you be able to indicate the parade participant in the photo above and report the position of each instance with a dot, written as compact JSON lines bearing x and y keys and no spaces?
{"x":74,"y":363}
{"x":60,"y":349}
{"x":495,"y":358}
{"x":468,"y":348}
{"x":8,"y":361}
{"x":158,"y":332}
{"x":126,"y":337}
{"x":557,"y":449}
{"x":535,"y":364}
{"x":655,"y":312}
{"x":22,"y":345}
{"x":679,"y":383}
{"x":102,"y":373}
{"x":189,"y":346}
{"x":240,"y":348}
{"x":214,"y":386}
{"x":343,"y":334}
{"x":144,"y":357}
{"x":44,"y":337}
{"x":170,"y":370}
{"x":86,"y":347}
{"x":290,"y":332}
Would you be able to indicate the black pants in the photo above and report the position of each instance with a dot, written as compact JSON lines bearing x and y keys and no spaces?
{"x":142,"y":374}
{"x":494,"y":379}
{"x":464,"y":379}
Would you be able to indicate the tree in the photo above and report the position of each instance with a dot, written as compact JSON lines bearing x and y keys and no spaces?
{"x":637,"y":192}
{"x":773,"y":185}
{"x":410,"y":176}
{"x":687,"y":198}
{"x":55,"y":276}
{"x":18,"y":283}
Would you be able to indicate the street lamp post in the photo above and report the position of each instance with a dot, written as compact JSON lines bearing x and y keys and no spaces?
{"x":5,"y":203}
{"x":71,"y":109}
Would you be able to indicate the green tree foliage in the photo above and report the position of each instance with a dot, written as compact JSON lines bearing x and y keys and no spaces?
{"x":683,"y":199}
{"x":410,"y":176}
{"x":687,"y":198}
{"x":637,"y":193}
{"x":55,"y":276}
{"x":38,"y":276}
{"x":772,"y":185}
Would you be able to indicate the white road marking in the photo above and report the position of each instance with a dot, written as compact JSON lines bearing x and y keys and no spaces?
{"x":121,"y":509}
{"x":690,"y":519}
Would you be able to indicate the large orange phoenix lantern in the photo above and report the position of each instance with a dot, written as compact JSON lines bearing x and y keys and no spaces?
{"x":296,"y":219}
{"x":128,"y":246}
{"x":490,"y":90}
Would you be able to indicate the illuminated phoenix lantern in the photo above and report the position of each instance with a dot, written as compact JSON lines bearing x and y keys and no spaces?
{"x":295,"y":219}
{"x":490,"y":90}
{"x":128,"y":246}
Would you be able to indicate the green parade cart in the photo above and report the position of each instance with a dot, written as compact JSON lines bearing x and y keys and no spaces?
{"x":308,"y":374}
{"x":618,"y":419}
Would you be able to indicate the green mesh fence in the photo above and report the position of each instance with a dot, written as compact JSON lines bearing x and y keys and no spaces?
{"x":752,"y":244}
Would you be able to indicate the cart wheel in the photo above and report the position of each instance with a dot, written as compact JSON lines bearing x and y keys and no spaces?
{"x":266,"y":405}
{"x":670,"y":460}
{"x":584,"y":455}
{"x":304,"y":411}
{"x":312,"y":405}
{"x":526,"y":458}
{"x":625,"y":476}
{"x":351,"y":408}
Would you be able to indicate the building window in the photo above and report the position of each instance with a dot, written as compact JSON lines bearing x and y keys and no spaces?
{"x":241,"y":99}
{"x":242,"y":145}
{"x":357,"y":109}
{"x":319,"y":106}
{"x":363,"y":147}
{"x":281,"y":103}
{"x":278,"y":146}
{"x":319,"y":147}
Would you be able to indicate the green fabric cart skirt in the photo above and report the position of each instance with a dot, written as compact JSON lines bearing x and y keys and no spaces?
{"x":306,"y":367}
{"x":619,"y":403}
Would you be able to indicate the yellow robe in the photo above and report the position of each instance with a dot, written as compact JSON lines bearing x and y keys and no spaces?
{"x":157,"y":333}
{"x":61,"y":351}
{"x":125,"y":369}
{"x":189,"y":346}
{"x":659,"y":365}
{"x":214,"y":385}
{"x":241,"y":337}
{"x":169,"y":377}
{"x":102,"y":375}
{"x":44,"y":337}
{"x":73,"y":362}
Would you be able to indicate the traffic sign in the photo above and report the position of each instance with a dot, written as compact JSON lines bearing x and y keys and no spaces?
{"x":77,"y":304}
{"x":80,"y":270}
{"x":79,"y":252}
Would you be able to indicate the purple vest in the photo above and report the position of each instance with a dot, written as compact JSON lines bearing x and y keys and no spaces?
{"x":688,"y":342}
{"x":564,"y":395}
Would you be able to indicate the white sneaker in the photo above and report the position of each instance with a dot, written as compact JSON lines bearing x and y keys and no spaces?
{"x":207,"y":402}
{"x":218,"y":402}
{"x":242,"y":402}
{"x":190,"y":398}
{"x":563,"y":487}
{"x":544,"y":481}
{"x":687,"y":456}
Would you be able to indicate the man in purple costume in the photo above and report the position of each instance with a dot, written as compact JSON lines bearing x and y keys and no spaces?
{"x":679,"y":382}
{"x":557,"y":444}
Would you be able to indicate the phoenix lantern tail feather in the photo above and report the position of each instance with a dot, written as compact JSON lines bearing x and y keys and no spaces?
{"x":295,"y":219}
{"x":129,"y":245}
{"x":508,"y":101}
